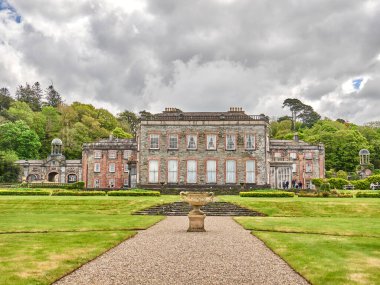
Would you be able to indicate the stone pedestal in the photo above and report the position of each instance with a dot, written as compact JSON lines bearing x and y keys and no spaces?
{"x":196,"y":216}
{"x":196,"y":223}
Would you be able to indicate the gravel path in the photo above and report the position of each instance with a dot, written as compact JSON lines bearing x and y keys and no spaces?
{"x":167,"y":254}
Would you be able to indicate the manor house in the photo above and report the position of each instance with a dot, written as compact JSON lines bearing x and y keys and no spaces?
{"x":176,"y":149}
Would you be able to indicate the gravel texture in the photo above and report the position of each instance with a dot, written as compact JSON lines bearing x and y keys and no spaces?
{"x":167,"y":254}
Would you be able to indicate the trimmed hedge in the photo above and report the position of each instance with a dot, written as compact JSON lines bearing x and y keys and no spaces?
{"x":24,"y":193}
{"x":324,"y":195}
{"x":78,"y":193}
{"x":134,"y":193}
{"x":266,"y":194}
{"x":367,"y":195}
{"x":361,"y":184}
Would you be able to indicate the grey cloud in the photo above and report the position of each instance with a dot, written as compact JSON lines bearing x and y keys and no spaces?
{"x":204,"y":55}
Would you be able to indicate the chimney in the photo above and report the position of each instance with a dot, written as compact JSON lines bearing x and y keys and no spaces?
{"x":296,"y":138}
{"x":111,"y":137}
{"x":170,"y":110}
{"x":236,"y":110}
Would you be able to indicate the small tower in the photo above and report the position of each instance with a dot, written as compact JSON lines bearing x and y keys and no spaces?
{"x":364,"y":157}
{"x":56,"y":147}
{"x":365,"y":170}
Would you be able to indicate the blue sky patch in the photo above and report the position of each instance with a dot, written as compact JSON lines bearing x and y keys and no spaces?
{"x":356,"y":83}
{"x":12,"y":13}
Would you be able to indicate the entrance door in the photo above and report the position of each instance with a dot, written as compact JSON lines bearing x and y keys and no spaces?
{"x":53,"y":177}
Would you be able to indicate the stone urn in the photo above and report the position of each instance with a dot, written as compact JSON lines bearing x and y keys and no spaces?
{"x":196,"y":216}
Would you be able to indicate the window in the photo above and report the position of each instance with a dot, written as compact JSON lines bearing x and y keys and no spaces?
{"x":293,"y":155}
{"x":111,"y":183}
{"x":250,"y":171}
{"x":308,"y":155}
{"x":126,"y":167}
{"x":277,"y":156}
{"x":230,"y":171}
{"x":111,"y":167}
{"x":72,"y":178}
{"x":294,"y":167}
{"x":112,"y":154}
{"x":230,"y":142}
{"x":191,"y":171}
{"x":308,"y":167}
{"x":173,"y":141}
{"x":172,"y":171}
{"x":211,"y":142}
{"x":96,"y":167}
{"x":153,"y":171}
{"x":154,"y":141}
{"x":191,"y":142}
{"x":96,"y":183}
{"x":211,"y":171}
{"x":127,"y":154}
{"x":97,"y":154}
{"x":249,"y":141}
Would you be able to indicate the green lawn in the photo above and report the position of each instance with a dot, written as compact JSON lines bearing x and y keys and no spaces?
{"x":327,"y":240}
{"x":42,"y":238}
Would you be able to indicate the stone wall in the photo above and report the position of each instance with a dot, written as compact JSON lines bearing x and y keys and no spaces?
{"x":201,"y":154}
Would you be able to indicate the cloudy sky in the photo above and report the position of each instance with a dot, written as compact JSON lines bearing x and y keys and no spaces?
{"x":204,"y":55}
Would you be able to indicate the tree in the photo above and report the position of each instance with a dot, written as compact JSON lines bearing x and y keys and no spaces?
{"x":18,"y":137}
{"x":52,"y":97}
{"x":301,"y":111}
{"x":342,"y":143}
{"x":9,"y":171}
{"x":146,"y":114}
{"x":131,"y":119}
{"x":5,"y":99}
{"x":119,"y":133}
{"x":32,"y":95}
{"x":106,"y":119}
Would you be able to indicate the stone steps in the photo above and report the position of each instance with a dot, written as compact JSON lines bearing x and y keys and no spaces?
{"x":212,"y":209}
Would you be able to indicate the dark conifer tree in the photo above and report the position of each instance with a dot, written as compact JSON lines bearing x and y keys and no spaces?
{"x":52,"y":97}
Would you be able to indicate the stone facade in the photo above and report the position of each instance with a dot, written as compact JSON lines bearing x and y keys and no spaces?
{"x":296,"y":162}
{"x":175,"y":149}
{"x":55,"y":168}
{"x":110,"y":163}
{"x":215,"y":143}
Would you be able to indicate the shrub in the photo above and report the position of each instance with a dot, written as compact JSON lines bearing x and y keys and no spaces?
{"x":367,"y":195}
{"x":325,"y":195}
{"x":373,"y":179}
{"x":325,"y":187}
{"x":304,"y":194}
{"x":361,"y":184}
{"x":337,"y":183}
{"x":317,"y":182}
{"x":133,"y":193}
{"x":78,"y":193}
{"x":24,"y":193}
{"x":76,"y":185}
{"x":266,"y":194}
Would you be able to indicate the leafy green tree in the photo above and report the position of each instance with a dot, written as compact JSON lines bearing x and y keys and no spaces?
{"x":372,"y":134}
{"x":342,"y":143}
{"x":106,"y":119}
{"x":119,"y":133}
{"x":18,"y":137}
{"x":9,"y":171}
{"x":5,"y":99}
{"x":52,"y":97}
{"x":20,"y":111}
